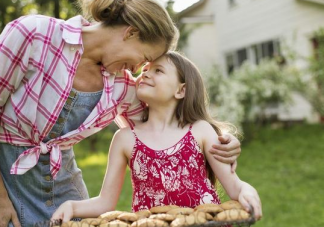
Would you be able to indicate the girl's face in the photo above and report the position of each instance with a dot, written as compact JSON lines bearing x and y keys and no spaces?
{"x":159,"y":82}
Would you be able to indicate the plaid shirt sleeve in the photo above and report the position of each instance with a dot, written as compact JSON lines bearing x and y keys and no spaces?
{"x":132,"y":115}
{"x":134,"y":111}
{"x":15,"y":50}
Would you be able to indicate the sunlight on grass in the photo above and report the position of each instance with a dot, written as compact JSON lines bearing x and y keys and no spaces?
{"x":93,"y":160}
{"x":284,"y":165}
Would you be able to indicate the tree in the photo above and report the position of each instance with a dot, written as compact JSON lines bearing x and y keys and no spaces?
{"x":12,"y":9}
{"x":45,"y":4}
{"x":184,"y":29}
{"x":8,"y":10}
{"x":316,"y":68}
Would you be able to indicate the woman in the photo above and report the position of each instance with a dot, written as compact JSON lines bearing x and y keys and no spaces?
{"x":58,"y":85}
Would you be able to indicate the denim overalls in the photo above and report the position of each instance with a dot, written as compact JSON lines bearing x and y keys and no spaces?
{"x":35,"y":195}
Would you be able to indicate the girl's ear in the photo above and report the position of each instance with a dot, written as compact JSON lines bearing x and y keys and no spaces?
{"x":181,"y":92}
{"x":130,"y":32}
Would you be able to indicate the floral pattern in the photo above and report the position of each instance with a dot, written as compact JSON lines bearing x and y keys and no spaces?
{"x":176,"y":175}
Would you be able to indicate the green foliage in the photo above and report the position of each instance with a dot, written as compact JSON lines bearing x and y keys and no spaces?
{"x":96,"y":143}
{"x":245,"y":95}
{"x":310,"y":82}
{"x":184,"y":29}
{"x":284,"y":165}
{"x":12,"y":9}
{"x":315,"y":88}
{"x":224,"y":95}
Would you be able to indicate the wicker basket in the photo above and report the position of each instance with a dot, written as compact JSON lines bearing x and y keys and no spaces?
{"x":241,"y":223}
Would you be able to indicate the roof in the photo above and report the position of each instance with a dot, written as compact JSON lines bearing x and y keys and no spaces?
{"x":190,"y":8}
{"x":315,"y":1}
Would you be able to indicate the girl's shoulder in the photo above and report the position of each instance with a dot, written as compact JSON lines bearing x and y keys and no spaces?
{"x":201,"y":125}
{"x":200,"y":128}
{"x":124,"y":134}
{"x":125,"y":139}
{"x":203,"y":131}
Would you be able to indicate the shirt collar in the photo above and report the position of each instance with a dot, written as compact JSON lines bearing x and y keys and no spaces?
{"x":72,"y":29}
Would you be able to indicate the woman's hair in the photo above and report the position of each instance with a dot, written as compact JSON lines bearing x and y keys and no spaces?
{"x":148,"y":16}
{"x":194,"y":105}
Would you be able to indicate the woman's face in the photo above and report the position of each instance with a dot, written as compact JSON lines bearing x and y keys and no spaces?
{"x":158,"y":82}
{"x":130,"y":53}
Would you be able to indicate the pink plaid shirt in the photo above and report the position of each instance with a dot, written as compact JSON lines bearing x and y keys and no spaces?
{"x":38,"y":60}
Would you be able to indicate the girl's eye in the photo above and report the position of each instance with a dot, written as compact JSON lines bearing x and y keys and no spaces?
{"x":158,"y":71}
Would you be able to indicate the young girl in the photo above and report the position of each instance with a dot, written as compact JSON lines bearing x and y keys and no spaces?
{"x":167,"y":153}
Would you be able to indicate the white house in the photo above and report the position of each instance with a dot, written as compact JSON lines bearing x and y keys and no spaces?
{"x":228,"y":32}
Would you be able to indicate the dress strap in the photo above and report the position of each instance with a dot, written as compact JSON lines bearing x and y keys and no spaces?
{"x":190,"y":127}
{"x":133,"y":131}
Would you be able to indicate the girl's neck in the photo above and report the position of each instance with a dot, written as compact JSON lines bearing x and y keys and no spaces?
{"x":161,"y":119}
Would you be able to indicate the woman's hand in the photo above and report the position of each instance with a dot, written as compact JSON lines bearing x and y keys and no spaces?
{"x":228,"y":151}
{"x":64,"y":212}
{"x":7,"y":212}
{"x":249,"y":198}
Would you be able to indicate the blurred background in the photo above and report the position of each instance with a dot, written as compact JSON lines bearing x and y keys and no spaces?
{"x":263,"y":64}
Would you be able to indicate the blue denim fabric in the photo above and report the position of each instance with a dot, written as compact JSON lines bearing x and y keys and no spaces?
{"x":35,"y":195}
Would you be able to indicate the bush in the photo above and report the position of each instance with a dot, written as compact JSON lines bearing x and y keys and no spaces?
{"x":315,"y":88}
{"x":245,"y":95}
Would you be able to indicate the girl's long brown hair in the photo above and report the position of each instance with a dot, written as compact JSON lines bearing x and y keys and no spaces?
{"x":194,"y":106}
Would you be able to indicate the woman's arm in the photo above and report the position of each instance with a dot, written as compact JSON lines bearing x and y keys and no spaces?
{"x":7,"y":211}
{"x":226,"y":149}
{"x":16,"y":42}
{"x":111,"y":187}
{"x":15,"y":49}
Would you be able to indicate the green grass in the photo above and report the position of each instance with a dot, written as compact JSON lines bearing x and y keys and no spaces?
{"x":284,"y":165}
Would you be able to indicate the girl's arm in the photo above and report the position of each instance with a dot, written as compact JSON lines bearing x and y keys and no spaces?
{"x":235,"y":188}
{"x":111,"y":187}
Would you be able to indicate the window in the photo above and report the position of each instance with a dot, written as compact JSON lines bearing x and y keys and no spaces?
{"x":254,"y":54}
{"x":257,"y":53}
{"x":268,"y":49}
{"x":235,"y":59}
{"x":241,"y":56}
{"x":230,"y":63}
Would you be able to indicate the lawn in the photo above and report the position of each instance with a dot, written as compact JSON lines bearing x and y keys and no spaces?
{"x":284,"y":165}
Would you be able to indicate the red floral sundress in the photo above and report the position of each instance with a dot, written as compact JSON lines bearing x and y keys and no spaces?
{"x":173,"y":176}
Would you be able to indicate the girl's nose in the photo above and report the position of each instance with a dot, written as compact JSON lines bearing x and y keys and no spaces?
{"x":146,"y":74}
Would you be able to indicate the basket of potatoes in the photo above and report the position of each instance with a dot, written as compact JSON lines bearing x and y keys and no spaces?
{"x":230,"y":213}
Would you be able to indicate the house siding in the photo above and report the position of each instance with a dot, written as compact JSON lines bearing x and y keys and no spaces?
{"x":202,"y":45}
{"x":255,"y":21}
{"x":251,"y":22}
